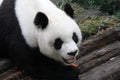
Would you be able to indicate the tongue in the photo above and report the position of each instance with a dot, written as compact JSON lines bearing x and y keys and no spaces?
{"x":70,"y":60}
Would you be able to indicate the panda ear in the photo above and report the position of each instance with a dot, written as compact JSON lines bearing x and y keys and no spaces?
{"x":69,"y":10}
{"x":41,"y":20}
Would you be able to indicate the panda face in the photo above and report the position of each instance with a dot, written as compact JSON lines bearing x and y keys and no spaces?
{"x":63,"y":47}
{"x":59,"y":37}
{"x":60,"y":41}
{"x":68,"y":50}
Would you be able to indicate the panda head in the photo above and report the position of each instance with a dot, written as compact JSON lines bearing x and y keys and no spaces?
{"x":59,"y":37}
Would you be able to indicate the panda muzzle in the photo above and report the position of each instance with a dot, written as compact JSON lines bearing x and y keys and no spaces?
{"x":69,"y":61}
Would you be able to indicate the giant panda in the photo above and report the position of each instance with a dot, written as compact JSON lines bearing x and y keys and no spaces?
{"x":39,"y":38}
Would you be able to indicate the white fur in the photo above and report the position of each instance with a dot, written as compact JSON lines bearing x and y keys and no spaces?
{"x":1,"y":2}
{"x":60,"y":25}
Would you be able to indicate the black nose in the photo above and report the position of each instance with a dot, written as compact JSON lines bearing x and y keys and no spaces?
{"x":72,"y":53}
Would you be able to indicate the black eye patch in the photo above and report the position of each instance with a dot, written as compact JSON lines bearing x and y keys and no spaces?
{"x":58,"y":44}
{"x":75,"y":37}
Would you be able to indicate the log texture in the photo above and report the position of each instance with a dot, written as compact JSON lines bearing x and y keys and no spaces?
{"x":100,"y":57}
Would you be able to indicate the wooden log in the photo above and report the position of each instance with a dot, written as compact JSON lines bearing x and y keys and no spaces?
{"x":110,"y":52}
{"x":99,"y":52}
{"x":4,"y":65}
{"x":14,"y":74}
{"x":10,"y":74}
{"x":98,"y":57}
{"x":99,"y":41}
{"x":108,"y":71}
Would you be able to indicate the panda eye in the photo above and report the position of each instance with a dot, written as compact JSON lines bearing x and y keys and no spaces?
{"x":58,"y":44}
{"x":75,"y":37}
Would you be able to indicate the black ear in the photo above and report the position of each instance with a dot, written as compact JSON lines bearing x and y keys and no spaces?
{"x":41,"y":20}
{"x":68,"y":10}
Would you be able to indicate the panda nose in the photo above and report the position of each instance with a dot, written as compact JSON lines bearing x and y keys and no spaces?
{"x":72,"y":53}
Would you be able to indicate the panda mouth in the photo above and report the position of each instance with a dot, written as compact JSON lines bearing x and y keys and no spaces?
{"x":69,"y":61}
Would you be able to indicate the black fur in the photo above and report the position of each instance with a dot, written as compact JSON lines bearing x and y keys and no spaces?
{"x":58,"y":44}
{"x":75,"y":37}
{"x":68,"y":9}
{"x":14,"y":47}
{"x":41,"y":20}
